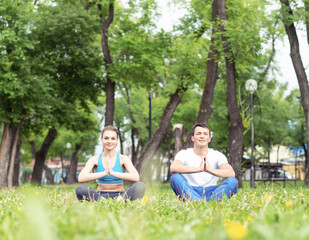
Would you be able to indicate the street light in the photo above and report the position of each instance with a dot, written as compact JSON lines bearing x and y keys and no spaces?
{"x":150,"y":117}
{"x":251,"y":86}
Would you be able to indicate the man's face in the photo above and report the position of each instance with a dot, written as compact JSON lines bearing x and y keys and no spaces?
{"x":201,"y":137}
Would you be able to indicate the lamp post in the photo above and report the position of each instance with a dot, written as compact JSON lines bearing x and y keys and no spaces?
{"x":251,"y":86}
{"x":150,"y":122}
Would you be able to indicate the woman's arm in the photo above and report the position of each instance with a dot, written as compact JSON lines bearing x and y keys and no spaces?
{"x":131,"y":174}
{"x":86,"y":175}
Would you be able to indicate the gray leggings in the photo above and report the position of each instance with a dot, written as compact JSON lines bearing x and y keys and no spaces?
{"x":135,"y":191}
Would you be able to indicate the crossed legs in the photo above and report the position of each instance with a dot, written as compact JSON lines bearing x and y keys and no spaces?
{"x":135,"y":191}
{"x":183,"y":189}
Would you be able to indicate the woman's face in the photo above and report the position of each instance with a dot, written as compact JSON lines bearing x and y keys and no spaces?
{"x":109,"y":140}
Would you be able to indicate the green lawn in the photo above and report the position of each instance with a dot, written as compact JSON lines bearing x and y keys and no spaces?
{"x":52,"y":212}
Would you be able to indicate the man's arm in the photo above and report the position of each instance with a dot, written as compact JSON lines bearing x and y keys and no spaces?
{"x":177,"y":166}
{"x":225,"y":170}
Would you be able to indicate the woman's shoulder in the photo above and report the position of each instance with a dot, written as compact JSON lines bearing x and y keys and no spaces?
{"x":124,"y":158}
{"x":94,"y":159}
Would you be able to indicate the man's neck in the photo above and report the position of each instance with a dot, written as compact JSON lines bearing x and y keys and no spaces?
{"x":200,"y":151}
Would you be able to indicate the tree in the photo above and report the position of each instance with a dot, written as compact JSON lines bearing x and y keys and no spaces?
{"x":106,"y":21}
{"x":287,"y":19}
{"x":297,"y":133}
{"x":65,"y":56}
{"x":206,"y":107}
{"x":18,"y":95}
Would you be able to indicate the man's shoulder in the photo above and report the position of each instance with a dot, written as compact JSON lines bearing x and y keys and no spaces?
{"x":183,"y":154}
{"x":215,"y":152}
{"x":186,"y":151}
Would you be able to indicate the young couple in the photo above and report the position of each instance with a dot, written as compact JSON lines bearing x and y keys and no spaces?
{"x":195,"y":171}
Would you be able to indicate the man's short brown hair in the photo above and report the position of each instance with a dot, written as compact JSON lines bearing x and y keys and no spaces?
{"x":202,"y":125}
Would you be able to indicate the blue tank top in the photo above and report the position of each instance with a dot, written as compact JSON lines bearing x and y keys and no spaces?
{"x":108,"y":179}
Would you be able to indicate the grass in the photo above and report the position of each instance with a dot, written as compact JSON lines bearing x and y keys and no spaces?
{"x":52,"y":212}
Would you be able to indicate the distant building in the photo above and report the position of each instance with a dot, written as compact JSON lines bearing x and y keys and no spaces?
{"x":281,"y":158}
{"x":59,"y":170}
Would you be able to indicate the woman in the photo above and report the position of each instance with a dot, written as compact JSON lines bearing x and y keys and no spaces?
{"x":111,"y":170}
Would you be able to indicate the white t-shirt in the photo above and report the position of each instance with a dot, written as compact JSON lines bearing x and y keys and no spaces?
{"x":201,"y":179}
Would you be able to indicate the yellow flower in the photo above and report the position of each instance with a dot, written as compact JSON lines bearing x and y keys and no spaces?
{"x":267,"y":196}
{"x":37,"y":193}
{"x":259,"y":205}
{"x":145,"y":198}
{"x":236,"y":213}
{"x":222,"y":210}
{"x":208,"y":222}
{"x":249,"y":219}
{"x":236,"y":231}
{"x":227,"y":220}
{"x":288,"y":203}
{"x":301,"y":195}
{"x":252,"y":195}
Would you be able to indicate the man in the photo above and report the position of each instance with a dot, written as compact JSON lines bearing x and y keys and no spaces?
{"x":196,"y":170}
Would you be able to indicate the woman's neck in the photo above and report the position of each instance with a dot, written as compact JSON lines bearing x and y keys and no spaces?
{"x":110,"y":153}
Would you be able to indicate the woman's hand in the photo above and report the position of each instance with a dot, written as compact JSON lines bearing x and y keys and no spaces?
{"x":106,"y":166}
{"x":86,"y":173}
{"x":109,"y":166}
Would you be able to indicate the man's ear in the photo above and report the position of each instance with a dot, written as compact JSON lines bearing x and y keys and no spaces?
{"x":192,"y":138}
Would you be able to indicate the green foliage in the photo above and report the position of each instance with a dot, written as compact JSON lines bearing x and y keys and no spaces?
{"x":53,"y":212}
{"x":67,"y":50}
{"x":296,"y":135}
{"x":18,"y":85}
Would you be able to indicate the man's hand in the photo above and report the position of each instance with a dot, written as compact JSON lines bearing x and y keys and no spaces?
{"x":203,"y":165}
{"x":205,"y":162}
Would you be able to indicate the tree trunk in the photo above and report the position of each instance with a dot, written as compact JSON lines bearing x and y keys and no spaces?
{"x":49,"y":175}
{"x":268,"y":157}
{"x":169,"y":157}
{"x":5,"y":149}
{"x":211,"y":77}
{"x":178,"y":130}
{"x":16,"y":175}
{"x":13,"y":155}
{"x":134,"y":130}
{"x":73,"y":165}
{"x":299,"y":69}
{"x":110,"y":85}
{"x":235,"y":128}
{"x":40,"y":156}
{"x":157,"y":138}
{"x":120,"y":140}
